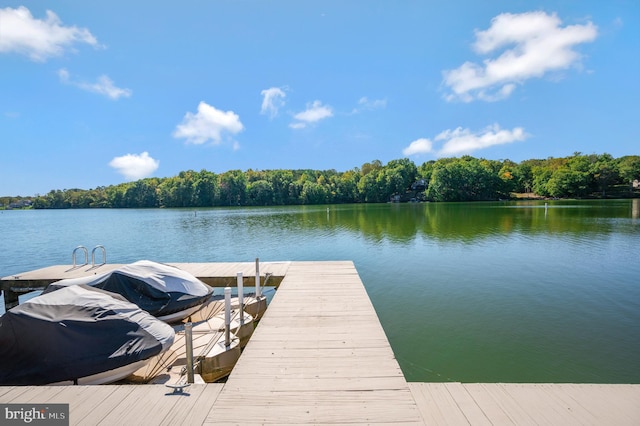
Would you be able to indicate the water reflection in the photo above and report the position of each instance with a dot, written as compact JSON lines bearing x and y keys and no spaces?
{"x":465,"y":222}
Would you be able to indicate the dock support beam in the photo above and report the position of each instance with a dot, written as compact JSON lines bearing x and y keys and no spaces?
{"x":240,"y":297}
{"x":188,"y":339}
{"x":10,"y":299}
{"x":257,"y":278}
{"x":227,"y":317}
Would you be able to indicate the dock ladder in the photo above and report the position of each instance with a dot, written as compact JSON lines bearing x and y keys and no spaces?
{"x":86,"y":256}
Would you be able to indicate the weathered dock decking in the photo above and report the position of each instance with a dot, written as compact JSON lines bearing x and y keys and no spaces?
{"x":439,"y":404}
{"x":320,"y":356}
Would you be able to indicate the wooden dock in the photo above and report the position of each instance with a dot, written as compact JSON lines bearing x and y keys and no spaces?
{"x":320,"y":356}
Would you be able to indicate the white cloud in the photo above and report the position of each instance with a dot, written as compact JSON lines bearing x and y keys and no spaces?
{"x":64,"y":75}
{"x":532,"y":44}
{"x":104,"y":85}
{"x":272,"y":101}
{"x":135,"y":166}
{"x":364,"y":103}
{"x":419,"y":146}
{"x":314,"y":113}
{"x":372,"y":104}
{"x":463,"y":141}
{"x":208,"y":124}
{"x":38,"y":39}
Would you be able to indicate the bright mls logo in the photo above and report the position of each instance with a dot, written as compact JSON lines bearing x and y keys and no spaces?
{"x":34,"y":414}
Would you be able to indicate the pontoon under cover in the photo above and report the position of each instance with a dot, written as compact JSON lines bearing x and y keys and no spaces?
{"x":76,"y":332}
{"x":157,"y":288}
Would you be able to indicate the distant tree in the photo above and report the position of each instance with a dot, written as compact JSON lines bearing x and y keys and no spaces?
{"x":260,"y":193}
{"x":313,"y":193}
{"x":369,"y":167}
{"x":541,"y":176}
{"x":629,"y":169}
{"x":368,"y":187}
{"x":295,"y":192}
{"x":206,"y":191}
{"x":56,"y":199}
{"x":604,"y":171}
{"x":565,"y":182}
{"x":447,"y":179}
{"x":401,"y":174}
{"x":522,"y":177}
{"x":506,"y":173}
{"x":464,"y":179}
{"x":141,"y":194}
{"x":569,"y":179}
{"x":280,"y":180}
{"x":233,"y":188}
{"x":425,"y":170}
{"x":346,"y":187}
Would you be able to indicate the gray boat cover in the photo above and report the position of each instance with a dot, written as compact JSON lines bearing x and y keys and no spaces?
{"x":73,"y":333}
{"x":157,"y":288}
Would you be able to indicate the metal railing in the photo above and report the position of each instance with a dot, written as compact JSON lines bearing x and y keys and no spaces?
{"x":86,"y":256}
{"x":93,"y":255}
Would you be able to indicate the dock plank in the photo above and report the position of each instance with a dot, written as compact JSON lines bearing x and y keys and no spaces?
{"x":196,"y":411}
{"x":528,"y":403}
{"x":101,"y":402}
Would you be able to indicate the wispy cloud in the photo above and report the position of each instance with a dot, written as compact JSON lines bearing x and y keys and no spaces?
{"x":314,"y":113}
{"x":135,"y":166}
{"x":208,"y":124}
{"x":39,"y":39}
{"x":463,"y":141}
{"x":272,"y":101}
{"x":104,"y":86}
{"x":366,"y":104}
{"x":532,"y":44}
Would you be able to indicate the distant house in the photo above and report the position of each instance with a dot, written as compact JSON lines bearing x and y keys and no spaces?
{"x":20,"y":204}
{"x":419,"y":185}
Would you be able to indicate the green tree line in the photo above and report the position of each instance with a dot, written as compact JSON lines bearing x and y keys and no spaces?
{"x":446,"y":179}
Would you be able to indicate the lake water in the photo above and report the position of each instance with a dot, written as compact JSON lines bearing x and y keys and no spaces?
{"x":471,"y":292}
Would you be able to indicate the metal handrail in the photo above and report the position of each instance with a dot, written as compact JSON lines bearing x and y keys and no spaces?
{"x":93,"y":255}
{"x":86,"y":255}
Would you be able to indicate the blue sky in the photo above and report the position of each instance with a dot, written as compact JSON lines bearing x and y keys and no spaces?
{"x":99,"y":93}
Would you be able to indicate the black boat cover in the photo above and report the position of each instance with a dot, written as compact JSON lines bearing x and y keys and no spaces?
{"x":157,"y":288}
{"x":76,"y":332}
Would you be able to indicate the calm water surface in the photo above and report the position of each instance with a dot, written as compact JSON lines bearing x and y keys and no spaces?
{"x":471,"y":292}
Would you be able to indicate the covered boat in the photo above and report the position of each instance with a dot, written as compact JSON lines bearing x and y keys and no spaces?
{"x":78,"y":334}
{"x":166,"y":292}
